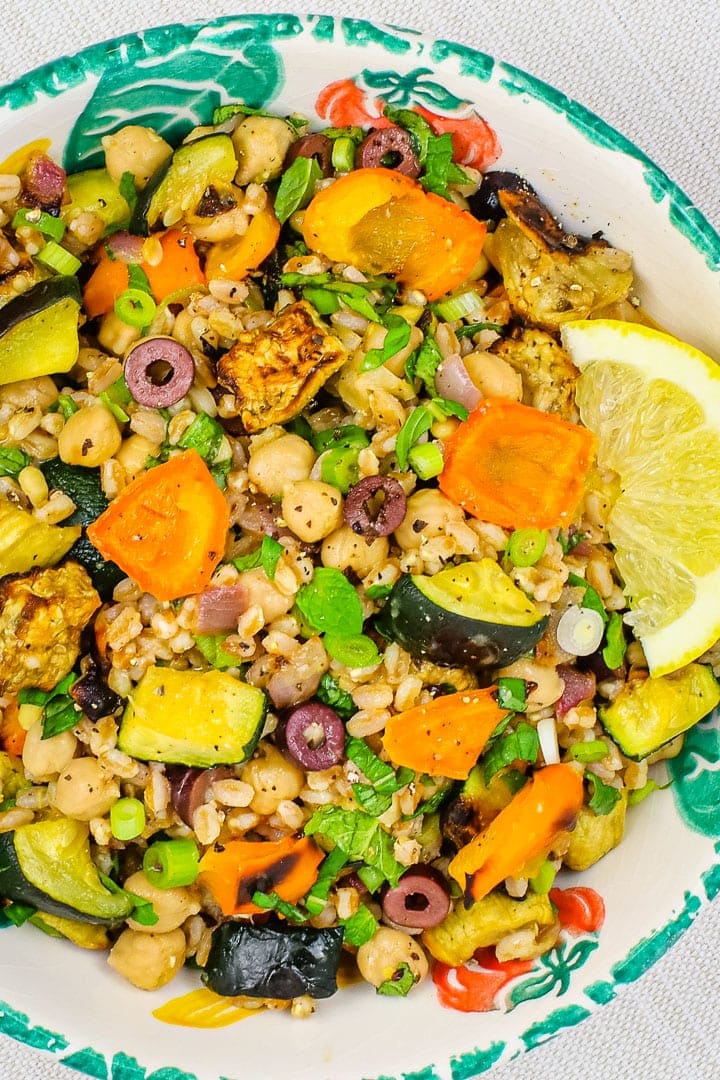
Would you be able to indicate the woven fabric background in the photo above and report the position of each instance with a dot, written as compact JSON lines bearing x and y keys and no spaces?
{"x":650,"y":68}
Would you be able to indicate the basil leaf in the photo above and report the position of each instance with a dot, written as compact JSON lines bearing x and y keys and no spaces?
{"x":330,"y":693}
{"x":423,"y":364}
{"x":568,"y":541}
{"x":60,"y":714}
{"x":417,"y":127}
{"x":138,"y":279}
{"x":372,"y":801}
{"x":522,"y":744}
{"x":340,"y":438}
{"x":432,"y":804}
{"x":273,"y":902}
{"x":474,"y":328}
{"x":360,"y":837}
{"x":512,"y":694}
{"x":615,"y":645}
{"x":143,"y":912}
{"x":204,"y":435}
{"x":270,"y":552}
{"x":12,"y":461}
{"x":66,"y":405}
{"x":128,"y":190}
{"x":249,"y":561}
{"x":441,"y":408}
{"x":360,"y":927}
{"x":397,"y":337}
{"x":330,"y":604}
{"x":297,"y":187}
{"x":18,"y":913}
{"x":399,"y":984}
{"x":604,"y":796}
{"x":418,"y":422}
{"x":591,"y":598}
{"x":330,"y":867}
{"x":226,"y":112}
{"x":440,"y":169}
{"x":378,"y":592}
{"x":210,"y":645}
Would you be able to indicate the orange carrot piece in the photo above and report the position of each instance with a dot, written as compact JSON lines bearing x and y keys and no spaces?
{"x":12,"y":735}
{"x":527,"y":828}
{"x":287,"y":867}
{"x":233,"y":259}
{"x":179,"y":267}
{"x":516,"y":466}
{"x":446,"y":736}
{"x":108,"y":280}
{"x":384,"y":222}
{"x":167,"y":529}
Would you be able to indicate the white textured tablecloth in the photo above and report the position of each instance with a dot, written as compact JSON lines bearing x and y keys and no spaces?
{"x":650,"y":68}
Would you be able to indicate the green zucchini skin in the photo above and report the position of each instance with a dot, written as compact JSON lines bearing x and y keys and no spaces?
{"x":15,"y":886}
{"x":427,"y":631}
{"x":139,"y":224}
{"x":85,"y":489}
{"x":37,"y":298}
{"x":267,"y":961}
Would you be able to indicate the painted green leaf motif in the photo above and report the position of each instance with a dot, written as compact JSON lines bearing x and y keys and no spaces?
{"x":696,"y":772}
{"x":559,"y":966}
{"x":404,"y":90}
{"x":359,"y":32}
{"x":476,"y":64}
{"x":4,"y":921}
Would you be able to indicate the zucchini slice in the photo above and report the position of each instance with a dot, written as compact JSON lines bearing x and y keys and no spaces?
{"x":47,"y":865}
{"x":178,"y":185}
{"x":199,"y":718}
{"x":27,"y":544}
{"x":470,"y":615}
{"x":39,"y":330}
{"x":94,"y":191}
{"x":647,"y":714}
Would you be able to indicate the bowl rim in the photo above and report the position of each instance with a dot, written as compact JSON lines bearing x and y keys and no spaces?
{"x":55,"y":78}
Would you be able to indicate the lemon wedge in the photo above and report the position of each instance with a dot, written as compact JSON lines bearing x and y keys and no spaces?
{"x":654,"y":404}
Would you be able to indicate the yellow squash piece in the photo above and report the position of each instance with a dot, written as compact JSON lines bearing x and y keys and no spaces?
{"x":27,"y":544}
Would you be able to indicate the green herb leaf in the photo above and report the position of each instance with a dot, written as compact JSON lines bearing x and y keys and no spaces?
{"x":360,"y":927}
{"x":441,"y":407}
{"x":273,"y":902}
{"x":138,"y":279}
{"x":330,"y":867}
{"x":474,"y":328}
{"x":67,"y":405}
{"x":423,"y":364}
{"x":375,"y":797}
{"x":512,"y":694}
{"x":639,"y":794}
{"x":143,"y":912}
{"x":12,"y":461}
{"x":418,"y":422}
{"x":432,"y":804}
{"x":522,"y":744}
{"x":360,"y":837}
{"x":378,"y":592}
{"x":604,"y":796}
{"x":297,"y":187}
{"x":330,"y":693}
{"x":128,"y":190}
{"x":249,"y":561}
{"x":270,"y":552}
{"x":417,"y":127}
{"x":397,"y":337}
{"x":330,"y":604}
{"x":399,"y":984}
{"x":18,"y":913}
{"x":440,"y":169}
{"x":372,"y":801}
{"x":348,"y":437}
{"x":568,"y":541}
{"x":226,"y":112}
{"x":591,"y":598}
{"x":615,"y":645}
{"x":204,"y":435}
{"x":210,"y":645}
{"x":59,"y":710}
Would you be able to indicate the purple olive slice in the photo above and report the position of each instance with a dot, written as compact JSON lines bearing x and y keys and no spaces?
{"x":389,"y":148}
{"x":159,"y":371}
{"x":381,"y":519}
{"x":189,"y":787}
{"x":420,"y":900}
{"x":314,"y":735}
{"x":312,"y":146}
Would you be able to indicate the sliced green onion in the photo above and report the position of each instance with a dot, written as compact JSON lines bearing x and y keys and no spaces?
{"x":358,"y":651}
{"x":340,"y":468}
{"x":67,"y":405}
{"x":355,"y":133}
{"x":594,"y":750}
{"x":580,"y":630}
{"x":58,"y":259}
{"x":426,"y":460}
{"x":542,"y":883}
{"x":343,"y":154}
{"x":135,"y":308}
{"x":127,"y":819}
{"x":467,"y":305}
{"x":38,"y":219}
{"x":527,"y":546}
{"x":169,"y":864}
{"x":474,"y":328}
{"x":340,"y":438}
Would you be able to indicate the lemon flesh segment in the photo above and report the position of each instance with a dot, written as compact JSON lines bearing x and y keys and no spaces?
{"x":654,"y":404}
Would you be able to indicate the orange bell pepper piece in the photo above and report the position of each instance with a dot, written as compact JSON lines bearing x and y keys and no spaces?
{"x":241,"y":868}
{"x":385,"y":223}
{"x":167,"y":529}
{"x":444,"y":737}
{"x":12,"y":735}
{"x":234,"y":259}
{"x":527,"y":828}
{"x":516,"y":466}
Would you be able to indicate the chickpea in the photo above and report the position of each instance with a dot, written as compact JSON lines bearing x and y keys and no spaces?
{"x":344,"y":548}
{"x":312,"y":509}
{"x":115,"y":335}
{"x":428,"y":515}
{"x":261,"y":143}
{"x":277,"y":463}
{"x":548,"y":684}
{"x":134,"y":453}
{"x":172,"y":906}
{"x":42,"y":758}
{"x":148,"y":961}
{"x":383,"y":956}
{"x":90,"y":437}
{"x":493,"y":376}
{"x":274,"y":779}
{"x":260,"y":592}
{"x":85,"y":789}
{"x":138,"y":150}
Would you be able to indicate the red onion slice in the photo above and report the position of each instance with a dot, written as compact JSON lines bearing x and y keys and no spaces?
{"x":578,"y":686}
{"x":220,"y":608}
{"x":452,"y":381}
{"x":126,"y":247}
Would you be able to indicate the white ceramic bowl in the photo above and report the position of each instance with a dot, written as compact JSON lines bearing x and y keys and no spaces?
{"x":69,"y":1002}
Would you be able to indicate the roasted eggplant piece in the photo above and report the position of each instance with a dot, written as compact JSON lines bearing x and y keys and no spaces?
{"x":551,"y":276}
{"x":595,"y":834}
{"x":548,"y":374}
{"x":488,"y":920}
{"x":273,"y":962}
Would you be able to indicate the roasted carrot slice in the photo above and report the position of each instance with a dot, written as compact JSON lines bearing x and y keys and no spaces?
{"x":12,"y":735}
{"x":240,"y":868}
{"x":446,"y":736}
{"x":179,"y":267}
{"x":524,"y":830}
{"x":516,"y":466}
{"x":384,"y":222}
{"x":108,"y":280}
{"x":234,"y":259}
{"x":167,"y":529}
